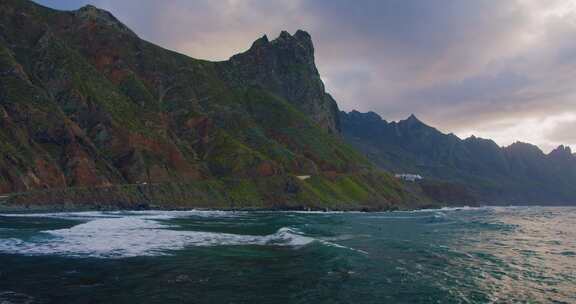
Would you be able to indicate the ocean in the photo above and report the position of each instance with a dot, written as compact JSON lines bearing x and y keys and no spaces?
{"x":458,"y":255}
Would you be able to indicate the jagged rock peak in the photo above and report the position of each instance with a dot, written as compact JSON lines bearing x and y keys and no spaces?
{"x":95,"y":14}
{"x":413,"y":118}
{"x":412,"y":121}
{"x":285,"y":35}
{"x":299,"y":39}
{"x":561,"y":152}
{"x":299,"y":35}
{"x":302,"y":35}
{"x":285,"y":48}
{"x":260,"y":42}
{"x":286,"y":67}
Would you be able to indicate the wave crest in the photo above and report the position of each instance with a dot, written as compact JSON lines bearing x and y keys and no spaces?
{"x":131,"y":236}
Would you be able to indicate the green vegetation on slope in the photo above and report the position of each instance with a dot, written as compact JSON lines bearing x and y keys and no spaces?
{"x":91,"y":114}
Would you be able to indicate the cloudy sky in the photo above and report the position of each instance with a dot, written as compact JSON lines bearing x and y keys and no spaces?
{"x":500,"y":69}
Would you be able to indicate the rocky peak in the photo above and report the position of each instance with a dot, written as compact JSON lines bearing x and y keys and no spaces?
{"x":286,"y":67}
{"x":92,"y":14}
{"x":284,"y":35}
{"x":562,"y":153}
{"x":297,"y":48}
{"x":89,"y":8}
{"x":303,"y":36}
{"x":301,"y":39}
{"x":524,"y":150}
{"x":479,"y":144}
{"x":412,"y":122}
{"x":260,"y":43}
{"x":413,"y":119}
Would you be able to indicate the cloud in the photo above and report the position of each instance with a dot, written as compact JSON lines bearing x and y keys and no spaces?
{"x":564,"y":132}
{"x":463,"y":66}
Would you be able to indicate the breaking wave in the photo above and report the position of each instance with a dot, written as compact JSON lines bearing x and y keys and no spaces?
{"x":117,"y":235}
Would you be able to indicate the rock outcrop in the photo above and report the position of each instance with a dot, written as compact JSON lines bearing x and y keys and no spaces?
{"x":285,"y":66}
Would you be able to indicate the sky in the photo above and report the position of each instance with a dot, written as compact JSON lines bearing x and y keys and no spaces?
{"x":504,"y":70}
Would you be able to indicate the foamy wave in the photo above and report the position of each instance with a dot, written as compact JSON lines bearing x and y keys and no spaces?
{"x":130,"y":236}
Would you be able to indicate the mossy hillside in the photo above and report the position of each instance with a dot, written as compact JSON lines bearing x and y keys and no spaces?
{"x":62,"y":63}
{"x":136,"y":90}
{"x":118,"y":110}
{"x":196,"y":85}
{"x":17,"y":96}
{"x":227,"y":156}
{"x":274,"y":130}
{"x":137,"y":114}
{"x":13,"y":147}
{"x":194,"y":81}
{"x":30,"y":19}
{"x":7,"y":60}
{"x":296,"y":132}
{"x":280,"y":192}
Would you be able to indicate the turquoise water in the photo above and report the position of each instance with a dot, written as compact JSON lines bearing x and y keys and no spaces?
{"x":484,"y":255}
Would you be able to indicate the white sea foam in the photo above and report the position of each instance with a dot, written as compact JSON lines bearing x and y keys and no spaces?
{"x":344,"y":247}
{"x":110,"y":235}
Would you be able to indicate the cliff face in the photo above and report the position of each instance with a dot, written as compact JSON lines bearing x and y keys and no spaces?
{"x":84,"y":102}
{"x":285,"y":67}
{"x":520,"y":173}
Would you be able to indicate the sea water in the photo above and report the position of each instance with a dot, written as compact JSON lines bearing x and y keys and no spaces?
{"x":460,"y":255}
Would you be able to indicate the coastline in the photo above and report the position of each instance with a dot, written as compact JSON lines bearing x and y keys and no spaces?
{"x":7,"y":208}
{"x":279,"y":193}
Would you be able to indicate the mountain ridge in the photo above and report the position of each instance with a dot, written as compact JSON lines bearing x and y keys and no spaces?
{"x":92,"y":114}
{"x":518,"y":173}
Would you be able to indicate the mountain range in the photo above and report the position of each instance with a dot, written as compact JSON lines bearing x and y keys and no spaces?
{"x":518,"y":174}
{"x":92,"y":114}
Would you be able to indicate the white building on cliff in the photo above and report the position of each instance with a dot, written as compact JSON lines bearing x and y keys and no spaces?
{"x":408,"y":177}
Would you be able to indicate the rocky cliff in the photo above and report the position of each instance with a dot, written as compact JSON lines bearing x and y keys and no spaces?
{"x":87,"y":107}
{"x":285,"y":66}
